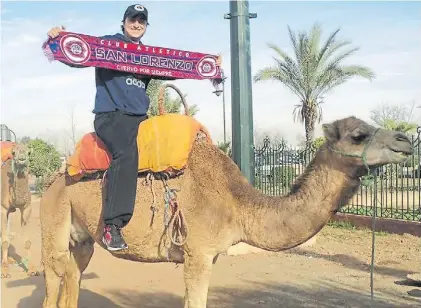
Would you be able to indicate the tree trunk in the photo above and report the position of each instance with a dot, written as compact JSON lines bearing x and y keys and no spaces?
{"x":309,"y":123}
{"x":309,"y":127}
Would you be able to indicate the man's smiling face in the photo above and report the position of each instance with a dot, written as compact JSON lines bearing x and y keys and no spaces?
{"x":135,"y":27}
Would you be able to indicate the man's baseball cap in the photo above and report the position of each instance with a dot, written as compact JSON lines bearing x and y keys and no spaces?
{"x":136,"y":10}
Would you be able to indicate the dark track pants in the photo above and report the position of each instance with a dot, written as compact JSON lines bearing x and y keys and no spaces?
{"x":118,"y":131}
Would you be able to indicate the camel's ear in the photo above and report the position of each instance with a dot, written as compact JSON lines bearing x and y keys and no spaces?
{"x":331,"y":132}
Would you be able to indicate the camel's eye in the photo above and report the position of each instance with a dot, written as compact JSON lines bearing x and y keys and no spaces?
{"x":359,"y":136}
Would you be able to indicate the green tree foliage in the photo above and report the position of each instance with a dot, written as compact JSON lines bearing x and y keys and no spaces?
{"x":25,"y":140}
{"x":394,"y":117}
{"x":317,"y":143}
{"x":44,"y":158}
{"x":170,"y":105}
{"x":283,"y":175}
{"x":225,"y":147}
{"x":398,"y":117}
{"x":400,"y":126}
{"x":314,"y":70}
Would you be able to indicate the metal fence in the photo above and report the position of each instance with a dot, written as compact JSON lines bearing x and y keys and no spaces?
{"x":396,"y":189}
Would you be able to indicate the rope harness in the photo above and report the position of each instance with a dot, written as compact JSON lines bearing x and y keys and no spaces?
{"x":368,"y":180}
{"x":174,"y":223}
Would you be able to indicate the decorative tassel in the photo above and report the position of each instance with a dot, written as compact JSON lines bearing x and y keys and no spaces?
{"x":47,"y":51}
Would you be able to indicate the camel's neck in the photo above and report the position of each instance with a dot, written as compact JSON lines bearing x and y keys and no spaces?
{"x":20,"y":186}
{"x":278,"y":223}
{"x":21,"y":177}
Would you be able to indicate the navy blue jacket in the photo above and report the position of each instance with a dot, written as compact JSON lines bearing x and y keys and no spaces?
{"x":124,"y":91}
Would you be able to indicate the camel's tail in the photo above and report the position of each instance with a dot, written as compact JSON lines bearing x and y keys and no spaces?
{"x":55,"y":217}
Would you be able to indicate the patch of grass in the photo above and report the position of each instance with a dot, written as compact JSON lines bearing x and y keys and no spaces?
{"x":341,"y":224}
{"x":349,"y":226}
{"x":382,"y":233}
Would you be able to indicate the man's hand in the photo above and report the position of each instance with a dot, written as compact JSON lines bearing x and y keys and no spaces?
{"x":54,"y":32}
{"x":219,"y":60}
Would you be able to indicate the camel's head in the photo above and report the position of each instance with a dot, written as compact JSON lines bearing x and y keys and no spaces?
{"x":352,"y":137}
{"x":21,"y":153}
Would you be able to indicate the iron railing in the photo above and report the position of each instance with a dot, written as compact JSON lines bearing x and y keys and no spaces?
{"x":396,"y":192}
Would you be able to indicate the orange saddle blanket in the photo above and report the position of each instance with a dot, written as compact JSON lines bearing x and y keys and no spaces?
{"x":164,"y":143}
{"x":6,"y":150}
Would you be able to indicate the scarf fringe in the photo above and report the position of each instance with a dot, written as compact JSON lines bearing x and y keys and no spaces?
{"x":47,"y":51}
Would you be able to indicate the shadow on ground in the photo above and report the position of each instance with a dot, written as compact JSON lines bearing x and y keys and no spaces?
{"x":17,"y":259}
{"x":37,"y":296}
{"x":321,"y":294}
{"x":351,"y":262}
{"x":415,"y":293}
{"x":411,"y":283}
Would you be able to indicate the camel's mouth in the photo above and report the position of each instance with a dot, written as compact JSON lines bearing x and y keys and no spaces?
{"x":21,"y":162}
{"x":400,"y":155}
{"x":405,"y":153}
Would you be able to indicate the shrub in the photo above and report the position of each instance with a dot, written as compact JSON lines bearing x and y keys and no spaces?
{"x":283,"y":175}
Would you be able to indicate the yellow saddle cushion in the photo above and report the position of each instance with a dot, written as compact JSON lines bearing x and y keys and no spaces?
{"x":164,"y":143}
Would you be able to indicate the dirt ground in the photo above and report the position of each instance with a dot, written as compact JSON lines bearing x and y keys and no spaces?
{"x":334,"y":272}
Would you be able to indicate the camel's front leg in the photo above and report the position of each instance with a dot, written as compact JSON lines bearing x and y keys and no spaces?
{"x":4,"y":243}
{"x":197,"y":273}
{"x":25,"y":216}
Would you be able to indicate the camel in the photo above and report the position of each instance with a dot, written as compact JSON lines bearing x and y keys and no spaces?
{"x":220,"y":208}
{"x":15,"y":194}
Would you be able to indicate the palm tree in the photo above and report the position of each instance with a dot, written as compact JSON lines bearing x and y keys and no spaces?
{"x":170,"y":105}
{"x":316,"y":69}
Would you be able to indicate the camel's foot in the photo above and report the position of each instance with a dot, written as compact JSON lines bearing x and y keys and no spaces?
{"x":5,"y":270}
{"x":32,"y":271}
{"x":29,"y":268}
{"x":10,"y":260}
{"x":12,"y":235}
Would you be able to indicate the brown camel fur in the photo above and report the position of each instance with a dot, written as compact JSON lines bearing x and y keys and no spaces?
{"x":15,"y":194}
{"x":220,"y":207}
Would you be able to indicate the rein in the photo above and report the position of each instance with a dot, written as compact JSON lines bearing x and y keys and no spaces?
{"x":367,"y":180}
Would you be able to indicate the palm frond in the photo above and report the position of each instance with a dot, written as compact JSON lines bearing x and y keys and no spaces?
{"x":331,"y":50}
{"x":282,"y":54}
{"x":295,"y":44}
{"x":281,"y":74}
{"x":360,"y":71}
{"x":339,"y":58}
{"x":328,"y":44}
{"x":268,"y":73}
{"x":314,"y":37}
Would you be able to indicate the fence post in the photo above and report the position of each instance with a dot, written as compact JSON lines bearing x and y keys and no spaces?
{"x":241,"y":93}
